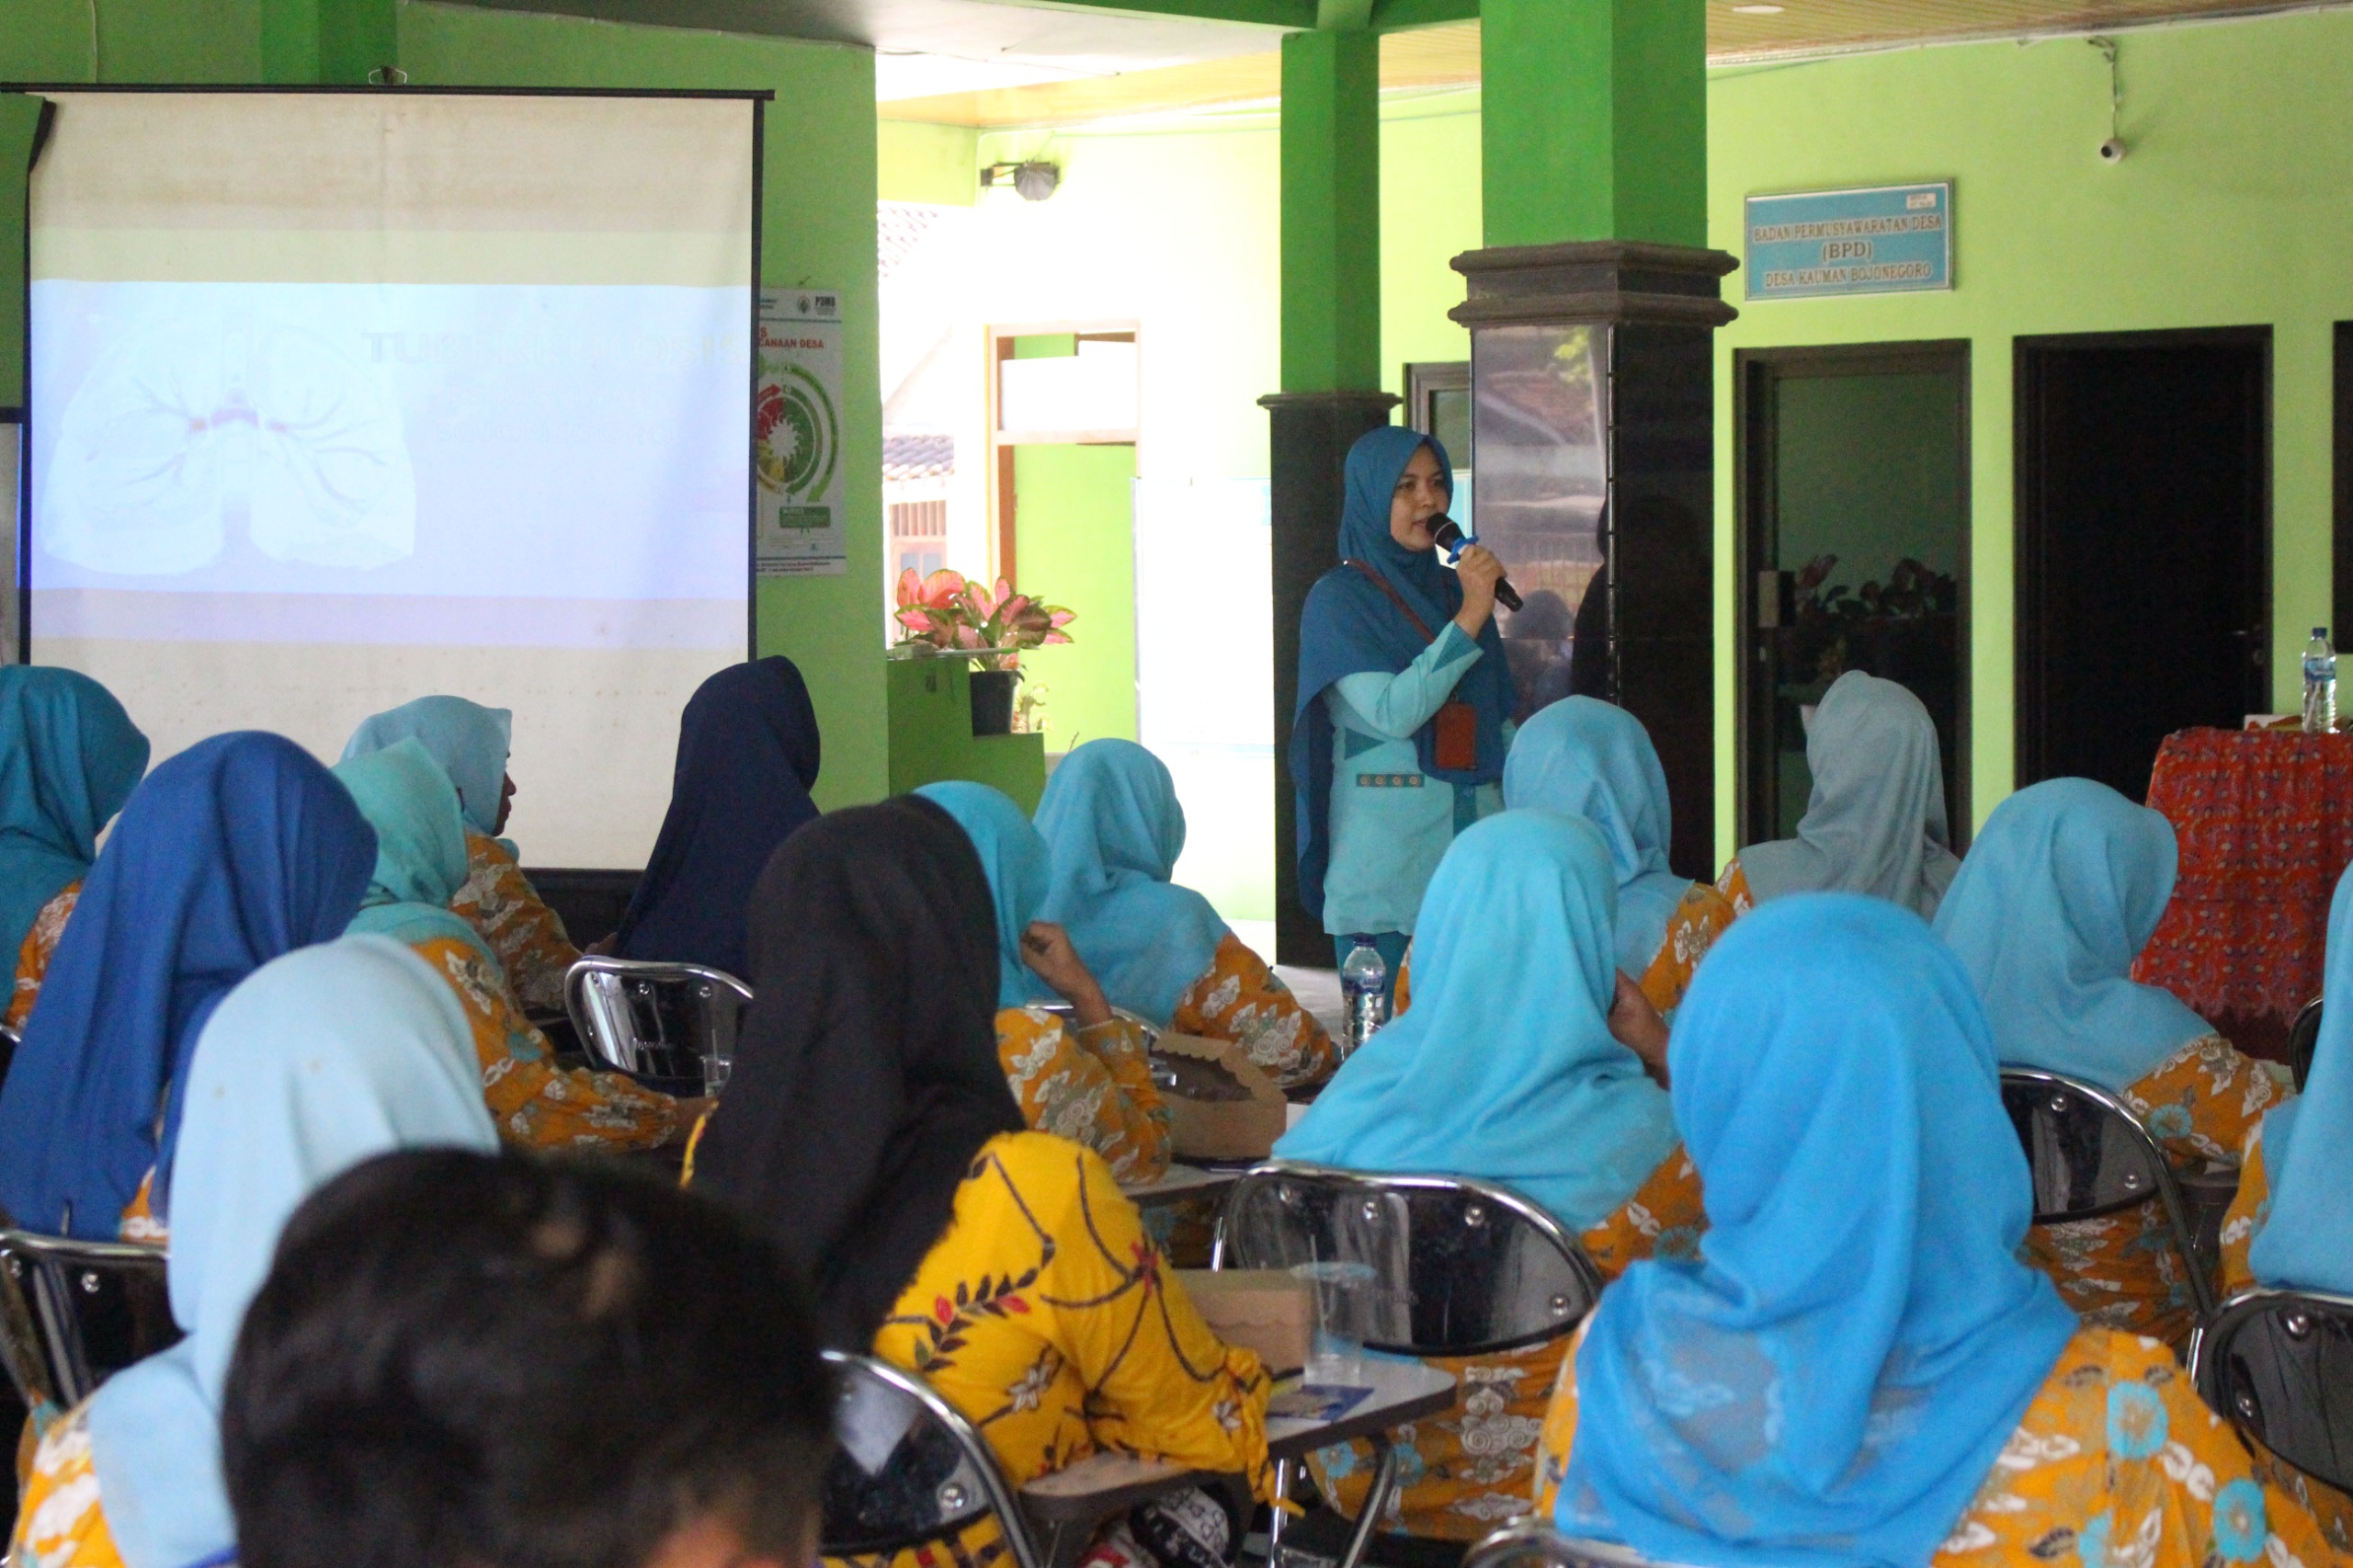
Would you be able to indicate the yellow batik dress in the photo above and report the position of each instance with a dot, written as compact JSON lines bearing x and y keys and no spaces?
{"x":526,"y":935}
{"x":2115,"y":1464}
{"x":534,"y":1102}
{"x":1462,"y":1473}
{"x":2249,"y":1211}
{"x":40,"y":946}
{"x":2121,"y":1270}
{"x":1045,"y":1313}
{"x":1091,"y":1085}
{"x":1242,"y":1000}
{"x":61,"y":1519}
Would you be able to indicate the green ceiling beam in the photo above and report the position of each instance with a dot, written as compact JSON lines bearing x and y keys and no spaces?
{"x":1391,"y":16}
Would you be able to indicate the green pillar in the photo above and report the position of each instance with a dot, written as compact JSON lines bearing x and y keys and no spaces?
{"x":326,"y":42}
{"x":1331,"y":192}
{"x":1594,"y":121}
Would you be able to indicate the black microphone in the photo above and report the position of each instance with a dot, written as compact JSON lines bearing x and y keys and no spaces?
{"x":1447,"y":533}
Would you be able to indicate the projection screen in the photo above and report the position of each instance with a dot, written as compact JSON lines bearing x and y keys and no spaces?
{"x":338,"y":399}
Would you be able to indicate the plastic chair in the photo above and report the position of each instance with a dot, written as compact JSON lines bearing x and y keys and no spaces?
{"x":2090,"y":1155}
{"x":2304,"y":1037}
{"x":2279,"y":1364}
{"x":75,"y":1313}
{"x":1532,"y":1543}
{"x":669,"y":1025}
{"x":909,"y":1470}
{"x":1460,"y":1267}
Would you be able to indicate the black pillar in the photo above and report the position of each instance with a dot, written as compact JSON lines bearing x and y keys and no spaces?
{"x":1309,"y":449}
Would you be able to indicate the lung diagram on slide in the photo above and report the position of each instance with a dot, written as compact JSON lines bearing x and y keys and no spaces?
{"x":187,"y":436}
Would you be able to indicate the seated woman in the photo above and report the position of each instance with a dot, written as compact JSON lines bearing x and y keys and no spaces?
{"x":237,"y":850}
{"x":2058,"y":896}
{"x":747,"y":758}
{"x":1588,"y":758}
{"x":1507,"y":1070}
{"x":69,"y":758}
{"x":1114,"y":828}
{"x":472,"y":743}
{"x":2291,"y":1226}
{"x":1876,"y":820}
{"x":642,"y":1390}
{"x":316,"y":1062}
{"x":1087,"y":1078}
{"x":868,"y":1129}
{"x":1857,"y":1369}
{"x":420,"y":862}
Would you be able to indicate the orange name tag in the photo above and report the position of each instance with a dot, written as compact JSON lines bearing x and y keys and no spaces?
{"x":1458,"y":736}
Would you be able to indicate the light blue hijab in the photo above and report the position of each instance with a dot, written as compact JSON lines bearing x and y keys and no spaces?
{"x":2056,"y":899}
{"x":1830,"y":1381}
{"x":1504,"y":1067}
{"x":2307,"y":1235}
{"x":1113,"y":829}
{"x":468,"y":741}
{"x":316,"y":1062}
{"x":1588,"y":758}
{"x":420,"y":846}
{"x":69,"y":758}
{"x":1015,"y":861}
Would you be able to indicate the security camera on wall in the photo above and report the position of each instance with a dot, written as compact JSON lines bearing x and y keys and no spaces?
{"x":2112,"y":150}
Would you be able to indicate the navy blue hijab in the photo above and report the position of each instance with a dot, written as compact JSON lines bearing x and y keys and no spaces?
{"x":239,"y":849}
{"x":1350,"y":627}
{"x":747,"y":760}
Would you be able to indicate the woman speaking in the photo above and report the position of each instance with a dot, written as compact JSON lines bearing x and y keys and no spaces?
{"x":1405,"y":698}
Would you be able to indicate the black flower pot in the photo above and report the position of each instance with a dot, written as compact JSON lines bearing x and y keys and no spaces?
{"x":993,"y":701}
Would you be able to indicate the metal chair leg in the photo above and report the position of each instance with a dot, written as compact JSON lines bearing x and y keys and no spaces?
{"x":1376,"y":1502}
{"x":1275,"y":1521}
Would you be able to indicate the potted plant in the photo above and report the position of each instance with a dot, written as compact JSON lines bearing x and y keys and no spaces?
{"x":951,"y":613}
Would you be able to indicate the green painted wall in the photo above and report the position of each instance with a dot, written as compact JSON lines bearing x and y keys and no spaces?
{"x":1430,"y":214}
{"x":938,"y":164}
{"x":817,"y":228}
{"x":2232,"y":208}
{"x":1074,"y":543}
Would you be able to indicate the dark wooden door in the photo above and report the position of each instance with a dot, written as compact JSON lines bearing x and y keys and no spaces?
{"x":2144,"y":546}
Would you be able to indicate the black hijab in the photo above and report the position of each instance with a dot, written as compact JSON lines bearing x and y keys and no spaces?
{"x":747,"y":760}
{"x":866,"y":1075}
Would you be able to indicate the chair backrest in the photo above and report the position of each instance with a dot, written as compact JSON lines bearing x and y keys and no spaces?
{"x":672,"y":1024}
{"x":908,"y":1468}
{"x":1532,"y":1543}
{"x":1460,"y":1267}
{"x":73,"y":1313}
{"x":2304,"y":1037}
{"x":2089,"y":1156}
{"x":2279,"y":1364}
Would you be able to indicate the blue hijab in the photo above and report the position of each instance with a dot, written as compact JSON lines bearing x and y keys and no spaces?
{"x":1588,"y":758}
{"x":1349,"y":627}
{"x":2056,"y":897}
{"x":69,"y":757}
{"x":747,"y":758}
{"x":1015,"y":861}
{"x":316,"y":1062}
{"x":1504,"y":1067}
{"x":420,"y":846}
{"x":237,"y":850}
{"x":1830,"y":1381}
{"x":468,"y":741}
{"x":2307,"y":1235}
{"x":1114,"y":828}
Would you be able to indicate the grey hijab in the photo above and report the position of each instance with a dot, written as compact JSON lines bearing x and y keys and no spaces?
{"x":1876,"y":822}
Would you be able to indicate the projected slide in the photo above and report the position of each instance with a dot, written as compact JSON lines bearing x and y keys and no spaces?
{"x":337,"y":400}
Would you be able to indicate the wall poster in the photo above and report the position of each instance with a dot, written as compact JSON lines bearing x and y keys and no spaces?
{"x":796,"y":454}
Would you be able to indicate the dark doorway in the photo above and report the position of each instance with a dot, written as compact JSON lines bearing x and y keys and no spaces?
{"x":1854,"y":500}
{"x":2143,"y":545}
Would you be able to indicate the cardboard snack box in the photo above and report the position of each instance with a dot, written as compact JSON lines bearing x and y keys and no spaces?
{"x":1265,"y":1310}
{"x":1222,"y":1106}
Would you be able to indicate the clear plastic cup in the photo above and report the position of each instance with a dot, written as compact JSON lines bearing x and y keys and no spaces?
{"x":1346,"y":1296}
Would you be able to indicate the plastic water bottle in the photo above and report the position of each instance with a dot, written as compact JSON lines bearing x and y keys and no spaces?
{"x":2320,"y":683}
{"x":1362,"y":980}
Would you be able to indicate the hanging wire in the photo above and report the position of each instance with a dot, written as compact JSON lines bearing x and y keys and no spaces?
{"x":2107,"y":46}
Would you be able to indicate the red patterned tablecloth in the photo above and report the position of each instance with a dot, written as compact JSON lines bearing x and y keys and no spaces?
{"x":2266,"y":822}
